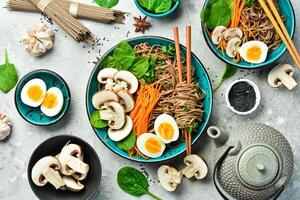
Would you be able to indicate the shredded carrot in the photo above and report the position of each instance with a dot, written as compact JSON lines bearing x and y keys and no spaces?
{"x":139,"y":153}
{"x":238,"y":6}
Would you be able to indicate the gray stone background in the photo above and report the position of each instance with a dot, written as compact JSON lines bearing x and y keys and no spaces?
{"x":279,"y":107}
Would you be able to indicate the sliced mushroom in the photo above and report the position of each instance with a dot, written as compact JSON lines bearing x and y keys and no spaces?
{"x":218,"y":34}
{"x":121,"y":85}
{"x":233,"y":33}
{"x":105,"y":74}
{"x":169,"y":177}
{"x":72,"y":184}
{"x":232,"y":47}
{"x":282,"y":74}
{"x":195,"y":166}
{"x":78,"y":176}
{"x":109,"y":84}
{"x":114,"y":114}
{"x":126,"y":99}
{"x":102,"y":97}
{"x":46,"y":170}
{"x":129,"y":78}
{"x":70,"y":160}
{"x":118,"y":135}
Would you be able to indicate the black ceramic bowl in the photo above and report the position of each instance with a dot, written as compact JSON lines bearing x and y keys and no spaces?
{"x":52,"y":146}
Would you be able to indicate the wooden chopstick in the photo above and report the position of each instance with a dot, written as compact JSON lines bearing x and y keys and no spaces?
{"x":279,"y":28}
{"x":178,"y":57}
{"x":188,"y":55}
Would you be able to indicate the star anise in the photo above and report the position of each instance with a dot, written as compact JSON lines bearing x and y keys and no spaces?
{"x":141,"y":24}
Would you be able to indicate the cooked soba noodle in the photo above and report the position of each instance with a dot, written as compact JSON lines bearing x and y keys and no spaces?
{"x":256,"y":26}
{"x":180,"y":100}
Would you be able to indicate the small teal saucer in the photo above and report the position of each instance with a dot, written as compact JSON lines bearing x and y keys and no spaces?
{"x":35,"y":115}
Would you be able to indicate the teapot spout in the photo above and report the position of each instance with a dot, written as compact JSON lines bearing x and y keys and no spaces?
{"x":219,"y":138}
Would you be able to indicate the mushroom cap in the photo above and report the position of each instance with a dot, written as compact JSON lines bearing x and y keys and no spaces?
{"x":118,"y":118}
{"x":106,"y":73}
{"x":276,"y":75}
{"x":197,"y":163}
{"x":118,"y":135}
{"x":218,"y":34}
{"x":232,"y":33}
{"x":169,"y":177}
{"x":66,"y":152}
{"x":127,"y":100}
{"x":232,"y":47}
{"x":41,"y":167}
{"x":72,"y":184}
{"x":102,"y":97}
{"x":129,"y":78}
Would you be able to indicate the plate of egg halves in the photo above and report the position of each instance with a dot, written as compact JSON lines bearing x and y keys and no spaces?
{"x":42,"y":97}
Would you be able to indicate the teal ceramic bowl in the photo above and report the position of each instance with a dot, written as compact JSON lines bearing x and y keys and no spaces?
{"x":287,"y":10}
{"x":154,"y":15}
{"x":35,"y":115}
{"x":200,"y":75}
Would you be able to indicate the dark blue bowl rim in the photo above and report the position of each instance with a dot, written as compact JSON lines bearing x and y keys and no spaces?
{"x":144,"y":11}
{"x":130,"y":40}
{"x":259,"y":66}
{"x":44,"y":71}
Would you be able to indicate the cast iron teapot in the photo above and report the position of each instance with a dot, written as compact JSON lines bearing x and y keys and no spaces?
{"x":255,"y":164}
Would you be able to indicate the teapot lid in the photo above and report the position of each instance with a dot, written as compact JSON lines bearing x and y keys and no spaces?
{"x":258,"y":166}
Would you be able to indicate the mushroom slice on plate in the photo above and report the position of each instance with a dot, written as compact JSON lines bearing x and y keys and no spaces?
{"x":195,"y":166}
{"x":233,"y":33}
{"x":169,"y":177}
{"x":218,"y":34}
{"x":118,"y":135}
{"x":115,"y":114}
{"x":233,"y":47}
{"x":126,"y":100}
{"x":105,"y":74}
{"x":47,"y":170}
{"x":72,"y":184}
{"x":129,"y":78}
{"x":70,"y":159}
{"x":102,"y":97}
{"x":282,"y":74}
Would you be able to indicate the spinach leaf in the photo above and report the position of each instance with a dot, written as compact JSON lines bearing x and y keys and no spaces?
{"x":124,"y":56}
{"x":163,"y":6}
{"x":108,"y":62}
{"x":140,"y":66}
{"x":133,"y":182}
{"x":230,"y":71}
{"x":250,"y":2}
{"x":128,"y":143}
{"x":96,"y":121}
{"x":149,"y":75}
{"x":107,"y":3}
{"x":8,"y":75}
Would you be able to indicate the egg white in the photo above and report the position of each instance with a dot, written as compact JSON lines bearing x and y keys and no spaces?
{"x":51,"y":112}
{"x":141,"y":140}
{"x":261,"y":45}
{"x":24,"y":96}
{"x":165,"y":118}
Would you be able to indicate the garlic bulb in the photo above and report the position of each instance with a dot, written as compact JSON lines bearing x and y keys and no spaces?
{"x":38,"y":40}
{"x":5,"y":126}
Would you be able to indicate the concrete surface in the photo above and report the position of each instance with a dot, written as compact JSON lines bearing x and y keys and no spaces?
{"x":279,"y":107}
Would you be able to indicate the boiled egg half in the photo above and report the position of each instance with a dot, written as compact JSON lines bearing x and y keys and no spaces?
{"x":254,"y":52}
{"x":166,"y":128}
{"x":150,"y":145}
{"x":33,"y":93}
{"x":53,"y":102}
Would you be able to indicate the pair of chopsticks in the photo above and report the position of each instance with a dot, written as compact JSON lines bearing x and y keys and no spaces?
{"x":189,"y":72}
{"x":280,"y":28}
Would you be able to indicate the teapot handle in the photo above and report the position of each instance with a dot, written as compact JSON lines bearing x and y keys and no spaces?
{"x":218,"y":163}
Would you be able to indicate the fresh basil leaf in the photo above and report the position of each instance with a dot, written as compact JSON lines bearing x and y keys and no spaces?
{"x":140,"y":66}
{"x":96,"y":121}
{"x":164,"y":49}
{"x":124,"y":56}
{"x":8,"y":75}
{"x":163,"y":6}
{"x":144,"y":3}
{"x":128,"y":143}
{"x":107,"y":62}
{"x":250,"y":2}
{"x":229,"y":72}
{"x":133,"y":182}
{"x":107,"y":3}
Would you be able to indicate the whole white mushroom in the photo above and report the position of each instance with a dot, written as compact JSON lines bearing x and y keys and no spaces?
{"x":5,"y":126}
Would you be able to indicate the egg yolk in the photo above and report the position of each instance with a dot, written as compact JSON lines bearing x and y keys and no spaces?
{"x":50,"y":100}
{"x":35,"y":93}
{"x":166,"y":131}
{"x":254,"y":53}
{"x":153,"y":145}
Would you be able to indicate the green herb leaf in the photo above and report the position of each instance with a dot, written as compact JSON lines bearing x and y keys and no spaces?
{"x":140,"y":66}
{"x":163,"y":6}
{"x":229,"y":72}
{"x":96,"y":121}
{"x":128,"y":143}
{"x":186,"y":108}
{"x":124,"y":56}
{"x":133,"y":182}
{"x":8,"y":75}
{"x":250,"y":2}
{"x":107,"y":62}
{"x":107,"y":3}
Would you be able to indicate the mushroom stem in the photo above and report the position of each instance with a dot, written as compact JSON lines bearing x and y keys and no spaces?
{"x":189,"y":171}
{"x":289,"y":82}
{"x":53,"y":177}
{"x":77,"y":165}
